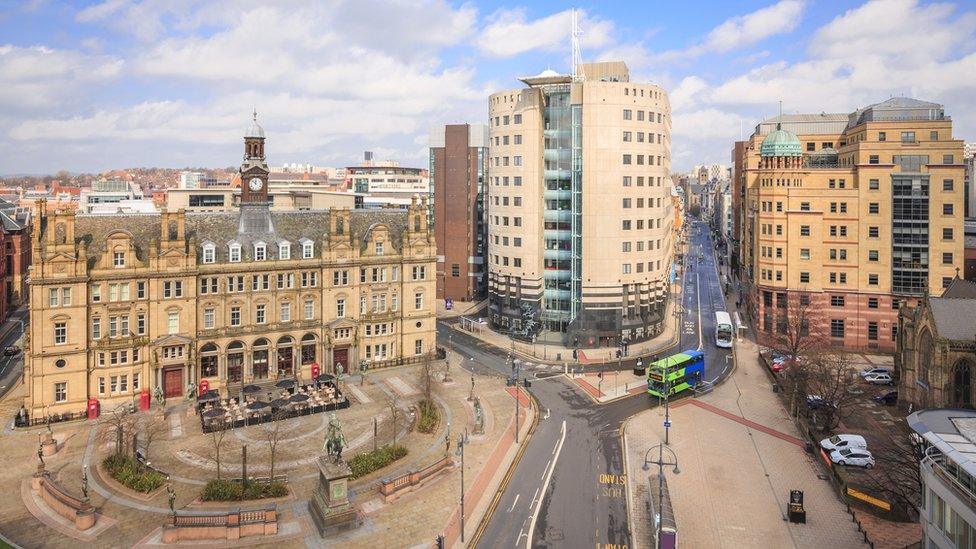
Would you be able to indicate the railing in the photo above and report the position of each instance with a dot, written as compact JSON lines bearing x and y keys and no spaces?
{"x":392,"y":487}
{"x":939,"y":471}
{"x":80,"y":512}
{"x":28,"y":421}
{"x":232,"y":525}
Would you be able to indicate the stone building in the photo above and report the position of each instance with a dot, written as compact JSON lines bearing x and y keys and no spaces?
{"x":130,"y":303}
{"x":936,"y":354}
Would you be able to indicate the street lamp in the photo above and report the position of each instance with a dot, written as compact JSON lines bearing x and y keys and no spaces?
{"x":461,"y":442}
{"x":661,"y":464}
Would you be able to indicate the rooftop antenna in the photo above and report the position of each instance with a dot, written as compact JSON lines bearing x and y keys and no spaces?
{"x":577,"y":56}
{"x":779,"y":121}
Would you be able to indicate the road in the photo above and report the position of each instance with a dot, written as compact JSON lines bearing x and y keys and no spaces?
{"x":12,"y":366}
{"x":568,"y":488}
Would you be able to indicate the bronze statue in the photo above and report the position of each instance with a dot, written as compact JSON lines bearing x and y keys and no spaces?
{"x":171,"y":495}
{"x":334,"y":439}
{"x":40,"y":453}
{"x":84,"y":481}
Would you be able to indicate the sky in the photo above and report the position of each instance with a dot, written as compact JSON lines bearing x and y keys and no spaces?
{"x":93,"y":86}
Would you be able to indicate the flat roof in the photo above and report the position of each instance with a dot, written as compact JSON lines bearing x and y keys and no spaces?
{"x":952,"y":431}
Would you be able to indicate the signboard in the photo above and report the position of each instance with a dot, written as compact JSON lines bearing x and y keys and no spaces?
{"x":868,"y":499}
{"x":667,"y":424}
{"x":448,"y":304}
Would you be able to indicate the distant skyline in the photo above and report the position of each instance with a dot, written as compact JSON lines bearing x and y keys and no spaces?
{"x":93,"y":86}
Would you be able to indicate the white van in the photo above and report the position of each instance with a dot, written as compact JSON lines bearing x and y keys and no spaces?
{"x":839,"y":442}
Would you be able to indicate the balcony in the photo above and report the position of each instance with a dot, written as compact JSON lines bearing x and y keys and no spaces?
{"x":558,"y":215}
{"x":553,"y":293}
{"x":558,"y":194}
{"x":556,"y":234}
{"x":935,"y":464}
{"x":557,"y":254}
{"x":553,"y":274}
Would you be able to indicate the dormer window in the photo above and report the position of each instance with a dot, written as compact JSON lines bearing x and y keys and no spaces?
{"x":234,"y":253}
{"x":284,"y":250}
{"x":260,"y":251}
{"x":118,"y":259}
{"x":209,"y":253}
{"x":379,"y":248}
{"x":308,"y":249}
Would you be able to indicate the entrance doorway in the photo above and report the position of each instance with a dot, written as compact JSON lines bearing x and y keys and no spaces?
{"x":173,"y":382}
{"x":341,"y":356}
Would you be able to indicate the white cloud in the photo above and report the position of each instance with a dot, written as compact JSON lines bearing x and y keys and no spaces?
{"x":744,"y":30}
{"x":38,"y":76}
{"x":508,"y":33}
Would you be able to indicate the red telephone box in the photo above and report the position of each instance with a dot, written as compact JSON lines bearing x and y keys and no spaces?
{"x":144,"y":400}
{"x":315,"y":370}
{"x":204,"y":387}
{"x":93,"y":408}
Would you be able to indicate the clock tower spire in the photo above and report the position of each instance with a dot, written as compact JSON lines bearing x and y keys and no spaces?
{"x":255,"y":206}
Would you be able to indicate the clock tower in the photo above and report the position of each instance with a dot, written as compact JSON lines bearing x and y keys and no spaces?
{"x":255,"y":206}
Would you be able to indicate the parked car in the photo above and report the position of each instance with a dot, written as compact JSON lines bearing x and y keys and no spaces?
{"x":11,"y":350}
{"x":838,"y":442}
{"x":879,"y":379}
{"x":874,"y":371}
{"x":781,"y":363}
{"x":817,"y":402}
{"x":859,"y":457}
{"x":887,"y":398}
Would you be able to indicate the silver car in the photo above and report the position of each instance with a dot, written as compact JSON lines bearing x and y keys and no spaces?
{"x":858,"y":457}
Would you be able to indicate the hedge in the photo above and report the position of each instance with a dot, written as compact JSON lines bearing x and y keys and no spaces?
{"x":132,"y":474}
{"x":367,"y":462}
{"x":228,"y":490}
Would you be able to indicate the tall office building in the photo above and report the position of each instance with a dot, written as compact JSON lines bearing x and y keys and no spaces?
{"x":458,"y":174}
{"x":580,"y":209}
{"x":851,"y":215}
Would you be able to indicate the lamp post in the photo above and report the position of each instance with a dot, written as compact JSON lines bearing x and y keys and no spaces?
{"x":461,"y":442}
{"x":516,"y":369}
{"x":661,"y":464}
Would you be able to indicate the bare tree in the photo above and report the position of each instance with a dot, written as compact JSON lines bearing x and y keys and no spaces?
{"x":152,"y":427}
{"x":898,"y":478}
{"x":831,"y":377}
{"x":116,"y":426}
{"x":272,"y":436}
{"x":799,"y":327}
{"x":393,"y":403}
{"x":426,"y":378}
{"x":217,"y":434}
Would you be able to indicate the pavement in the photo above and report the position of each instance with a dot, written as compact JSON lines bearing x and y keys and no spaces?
{"x":11,"y":333}
{"x":725,"y":501}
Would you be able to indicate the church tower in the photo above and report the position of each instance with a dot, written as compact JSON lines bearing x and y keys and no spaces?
{"x":255,"y":206}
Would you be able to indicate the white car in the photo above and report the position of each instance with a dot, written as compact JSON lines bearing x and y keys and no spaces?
{"x":878,"y":379}
{"x":838,"y":442}
{"x":873,"y":371}
{"x":859,"y":457}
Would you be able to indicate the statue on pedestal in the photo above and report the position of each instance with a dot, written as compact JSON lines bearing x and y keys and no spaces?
{"x":84,"y":481}
{"x":334,"y":440}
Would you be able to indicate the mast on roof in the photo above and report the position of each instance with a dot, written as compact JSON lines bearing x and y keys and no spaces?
{"x":577,"y":56}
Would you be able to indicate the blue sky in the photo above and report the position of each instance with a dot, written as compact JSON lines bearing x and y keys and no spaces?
{"x":90,"y":86}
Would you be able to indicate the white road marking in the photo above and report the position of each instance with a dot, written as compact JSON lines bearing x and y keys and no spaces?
{"x":698,"y":283}
{"x":533,"y":497}
{"x":546,"y":470}
{"x":514,"y":503}
{"x":545,"y":486}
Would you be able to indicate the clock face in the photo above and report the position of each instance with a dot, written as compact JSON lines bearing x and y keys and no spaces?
{"x":255,"y":184}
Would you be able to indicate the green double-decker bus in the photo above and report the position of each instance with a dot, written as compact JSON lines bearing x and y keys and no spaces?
{"x":675,"y":373}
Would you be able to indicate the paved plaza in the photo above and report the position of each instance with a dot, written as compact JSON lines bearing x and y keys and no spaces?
{"x":739,"y":456}
{"x":186,"y":454}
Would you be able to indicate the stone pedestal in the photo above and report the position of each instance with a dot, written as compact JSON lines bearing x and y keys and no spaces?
{"x":49,"y":446}
{"x":330,"y":507}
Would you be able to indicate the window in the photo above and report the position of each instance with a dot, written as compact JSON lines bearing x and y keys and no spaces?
{"x":873,"y":208}
{"x":260,"y":252}
{"x":173,"y":322}
{"x":171,"y":288}
{"x":873,"y":184}
{"x":836,"y":327}
{"x":260,"y":314}
{"x":235,"y":316}
{"x":309,"y":309}
{"x":872,"y":331}
{"x":517,"y":119}
{"x":804,"y":299}
{"x":284,"y":314}
{"x":141,"y":324}
{"x":872,"y":280}
{"x":804,"y":277}
{"x":882,"y":136}
{"x":947,"y":258}
{"x":947,"y":185}
{"x":628,"y":114}
{"x":804,"y":206}
{"x":118,"y":260}
{"x":284,"y":250}
{"x":340,"y":308}
{"x":310,"y":279}
{"x":208,"y":318}
{"x":947,"y":209}
{"x":625,"y":224}
{"x":96,"y":327}
{"x":378,"y":248}
{"x":60,"y":333}
{"x":140,"y":290}
{"x":419,"y":272}
{"x":53,"y":297}
{"x":308,"y":249}
{"x":947,"y":159}
{"x":627,"y":159}
{"x":340,"y":278}
{"x":872,"y":255}
{"x":873,"y":159}
{"x":418,"y":347}
{"x":628,"y":136}
{"x":907,"y":137}
{"x":61,"y":391}
{"x":804,"y":253}
{"x":872,"y":303}
{"x":66,"y":296}
{"x":209,"y":253}
{"x":804,"y":230}
{"x":626,"y":202}
{"x":625,"y":246}
{"x":811,"y":147}
{"x":234,"y":253}
{"x":947,"y":234}
{"x":625,"y":268}
{"x":873,"y":232}
{"x":517,"y":139}
{"x":946,"y":280}
{"x":418,"y":301}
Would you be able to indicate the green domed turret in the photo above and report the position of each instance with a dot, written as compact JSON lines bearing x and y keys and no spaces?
{"x":781,"y":143}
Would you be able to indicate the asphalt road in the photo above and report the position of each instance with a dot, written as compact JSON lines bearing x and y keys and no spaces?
{"x":12,"y":366}
{"x":568,"y":489}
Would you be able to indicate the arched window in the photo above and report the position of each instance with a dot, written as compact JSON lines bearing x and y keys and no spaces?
{"x":924,"y":355}
{"x":259,"y":359}
{"x":171,"y":231}
{"x":308,"y":349}
{"x":340,"y":225}
{"x":416,"y":223}
{"x":208,"y":360}
{"x":962,"y":384}
{"x":235,"y":362}
{"x":286,"y":356}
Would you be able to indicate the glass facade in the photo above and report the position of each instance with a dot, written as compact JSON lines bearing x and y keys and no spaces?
{"x":557,"y":196}
{"x":910,"y":234}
